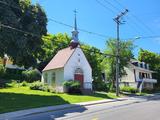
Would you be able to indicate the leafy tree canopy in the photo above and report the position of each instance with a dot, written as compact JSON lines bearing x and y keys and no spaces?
{"x":153,"y":59}
{"x":94,"y":58}
{"x":20,"y":15}
{"x":52,"y":44}
{"x":109,"y":63}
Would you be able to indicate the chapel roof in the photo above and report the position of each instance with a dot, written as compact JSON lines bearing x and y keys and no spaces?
{"x":60,"y":59}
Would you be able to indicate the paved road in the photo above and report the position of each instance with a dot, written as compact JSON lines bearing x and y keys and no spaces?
{"x":131,"y":109}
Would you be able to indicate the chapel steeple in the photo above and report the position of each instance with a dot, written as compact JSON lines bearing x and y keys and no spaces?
{"x":74,"y":42}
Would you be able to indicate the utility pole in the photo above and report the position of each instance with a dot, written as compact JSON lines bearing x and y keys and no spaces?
{"x":118,"y":22}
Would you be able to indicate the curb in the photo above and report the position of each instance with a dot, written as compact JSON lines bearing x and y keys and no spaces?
{"x":34,"y":111}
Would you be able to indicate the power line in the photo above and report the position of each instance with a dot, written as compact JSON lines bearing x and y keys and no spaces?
{"x":64,"y":24}
{"x":136,"y":18}
{"x":83,"y":30}
{"x":105,"y":7}
{"x":104,"y":54}
{"x":145,"y":37}
{"x":29,"y":33}
{"x":117,"y":9}
{"x":25,"y":32}
{"x":134,"y":28}
{"x":146,"y":26}
{"x":51,"y":19}
{"x":112,"y":5}
{"x":101,"y":53}
{"x":120,"y":4}
{"x":18,"y":30}
{"x":9,"y":27}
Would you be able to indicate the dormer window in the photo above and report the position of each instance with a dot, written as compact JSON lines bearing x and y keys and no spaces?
{"x":141,"y":65}
{"x":145,"y":66}
{"x":135,"y":63}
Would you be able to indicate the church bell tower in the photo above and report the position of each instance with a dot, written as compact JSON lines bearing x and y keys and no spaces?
{"x":74,"y":42}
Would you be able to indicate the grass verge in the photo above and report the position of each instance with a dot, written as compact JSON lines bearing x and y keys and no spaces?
{"x":12,"y":99}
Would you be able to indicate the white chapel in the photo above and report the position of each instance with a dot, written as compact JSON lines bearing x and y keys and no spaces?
{"x":69,"y":64}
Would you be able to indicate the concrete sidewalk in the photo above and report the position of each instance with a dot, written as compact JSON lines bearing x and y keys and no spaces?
{"x":6,"y":116}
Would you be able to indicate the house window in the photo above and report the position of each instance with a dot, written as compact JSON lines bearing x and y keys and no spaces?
{"x":53,"y":78}
{"x":45,"y":77}
{"x":149,"y":76}
{"x":143,"y":75}
{"x":140,"y":75}
{"x":145,"y":66}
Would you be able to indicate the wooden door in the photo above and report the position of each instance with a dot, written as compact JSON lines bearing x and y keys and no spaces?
{"x":79,"y":77}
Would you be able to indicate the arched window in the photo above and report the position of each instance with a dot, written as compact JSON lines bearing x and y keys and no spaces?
{"x":78,"y":71}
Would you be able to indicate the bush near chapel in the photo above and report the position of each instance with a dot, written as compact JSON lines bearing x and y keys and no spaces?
{"x":128,"y":89}
{"x":7,"y":75}
{"x":40,"y":86}
{"x":72,"y":86}
{"x":31,"y":75}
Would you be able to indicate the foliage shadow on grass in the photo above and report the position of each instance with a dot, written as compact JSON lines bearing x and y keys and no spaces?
{"x":12,"y":101}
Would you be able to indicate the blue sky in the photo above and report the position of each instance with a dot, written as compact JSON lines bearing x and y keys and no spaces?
{"x":143,"y":19}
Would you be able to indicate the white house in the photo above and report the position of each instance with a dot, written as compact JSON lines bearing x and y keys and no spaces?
{"x":69,"y":64}
{"x":7,"y":62}
{"x":138,"y":75}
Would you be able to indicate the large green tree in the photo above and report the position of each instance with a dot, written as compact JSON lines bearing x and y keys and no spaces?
{"x":109,"y":63}
{"x":153,"y":59}
{"x":51,"y":45}
{"x":23,"y":25}
{"x":94,"y":58}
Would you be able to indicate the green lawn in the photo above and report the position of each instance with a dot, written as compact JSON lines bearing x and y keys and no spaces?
{"x":12,"y":99}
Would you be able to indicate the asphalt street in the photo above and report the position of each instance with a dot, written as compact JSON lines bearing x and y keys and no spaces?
{"x":135,"y":108}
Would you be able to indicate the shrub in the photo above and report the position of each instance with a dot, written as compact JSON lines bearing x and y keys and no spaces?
{"x":2,"y":71}
{"x":21,"y":75}
{"x":13,"y":83}
{"x":128,"y":89}
{"x":40,"y":86}
{"x":50,"y":89}
{"x":3,"y":83}
{"x":72,"y":86}
{"x":37,"y":86}
{"x":156,"y":88}
{"x":75,"y":85}
{"x":101,"y":86}
{"x":67,"y":83}
{"x":24,"y":83}
{"x":31,"y":75}
{"x":15,"y":74}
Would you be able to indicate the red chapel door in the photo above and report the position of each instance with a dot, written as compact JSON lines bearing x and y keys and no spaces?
{"x":79,"y":76}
